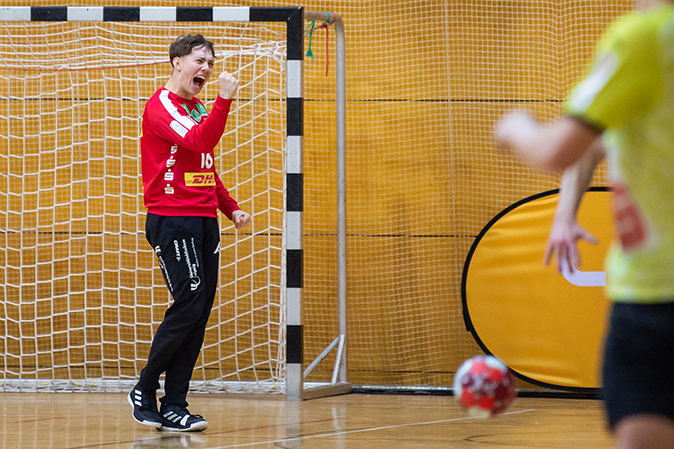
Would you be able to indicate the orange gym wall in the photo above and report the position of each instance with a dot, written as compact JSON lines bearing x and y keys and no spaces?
{"x":425,"y":81}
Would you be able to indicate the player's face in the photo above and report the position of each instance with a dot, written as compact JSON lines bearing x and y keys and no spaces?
{"x":194,"y":70}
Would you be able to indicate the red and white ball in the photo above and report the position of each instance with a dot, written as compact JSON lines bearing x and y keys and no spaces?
{"x":484,"y":386}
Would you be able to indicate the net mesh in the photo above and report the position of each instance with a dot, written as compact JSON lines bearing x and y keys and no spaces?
{"x":425,"y":82}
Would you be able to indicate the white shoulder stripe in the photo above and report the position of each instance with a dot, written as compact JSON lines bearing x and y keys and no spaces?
{"x":184,"y":120}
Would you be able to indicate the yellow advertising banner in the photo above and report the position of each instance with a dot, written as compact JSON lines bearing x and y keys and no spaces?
{"x":545,"y":325}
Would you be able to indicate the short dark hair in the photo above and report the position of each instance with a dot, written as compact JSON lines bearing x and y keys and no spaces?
{"x":183,"y":46}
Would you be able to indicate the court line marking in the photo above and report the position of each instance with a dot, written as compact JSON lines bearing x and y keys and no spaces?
{"x":37,"y":420}
{"x":369,"y":429}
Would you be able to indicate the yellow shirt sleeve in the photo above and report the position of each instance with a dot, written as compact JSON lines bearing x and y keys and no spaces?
{"x":624,"y":81}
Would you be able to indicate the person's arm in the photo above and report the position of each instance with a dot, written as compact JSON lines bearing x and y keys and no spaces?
{"x":205,"y":137}
{"x":566,"y":231}
{"x":229,"y":206}
{"x":553,"y":147}
{"x":172,"y":123}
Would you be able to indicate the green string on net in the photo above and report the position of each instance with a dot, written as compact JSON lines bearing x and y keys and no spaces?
{"x":311,"y":33}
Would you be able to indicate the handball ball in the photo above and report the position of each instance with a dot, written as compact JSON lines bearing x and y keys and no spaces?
{"x":484,"y":386}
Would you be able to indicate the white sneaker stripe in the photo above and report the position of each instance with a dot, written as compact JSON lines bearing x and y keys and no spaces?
{"x":170,"y":416}
{"x":183,"y":422}
{"x":138,"y":395}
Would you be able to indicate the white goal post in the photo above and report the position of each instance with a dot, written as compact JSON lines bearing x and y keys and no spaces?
{"x":80,"y":294}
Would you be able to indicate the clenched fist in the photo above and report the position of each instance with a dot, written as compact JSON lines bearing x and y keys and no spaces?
{"x":228,"y":85}
{"x":240,"y":218}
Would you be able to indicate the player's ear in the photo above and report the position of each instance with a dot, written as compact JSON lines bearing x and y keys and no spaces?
{"x":177,"y":61}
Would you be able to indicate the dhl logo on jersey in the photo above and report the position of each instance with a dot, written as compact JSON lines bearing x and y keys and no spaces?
{"x":199,"y":179}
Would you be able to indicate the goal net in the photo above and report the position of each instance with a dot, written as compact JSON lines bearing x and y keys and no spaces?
{"x":81,"y":292}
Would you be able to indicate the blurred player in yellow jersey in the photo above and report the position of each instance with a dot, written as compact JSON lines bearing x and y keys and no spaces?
{"x":624,"y":109}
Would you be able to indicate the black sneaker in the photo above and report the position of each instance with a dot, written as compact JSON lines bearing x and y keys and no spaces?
{"x":178,"y":419}
{"x":144,"y":408}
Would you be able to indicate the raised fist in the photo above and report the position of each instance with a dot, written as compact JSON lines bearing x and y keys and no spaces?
{"x":228,"y":85}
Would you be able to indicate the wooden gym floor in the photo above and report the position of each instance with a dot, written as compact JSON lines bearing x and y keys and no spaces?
{"x":355,"y":421}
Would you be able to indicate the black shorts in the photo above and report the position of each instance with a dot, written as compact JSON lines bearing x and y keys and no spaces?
{"x":639,"y":361}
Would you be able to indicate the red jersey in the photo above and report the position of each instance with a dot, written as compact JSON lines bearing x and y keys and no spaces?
{"x":176,"y":147}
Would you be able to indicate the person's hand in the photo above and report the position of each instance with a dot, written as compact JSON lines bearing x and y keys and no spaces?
{"x":228,"y":85}
{"x":240,"y":218}
{"x":563,"y":240}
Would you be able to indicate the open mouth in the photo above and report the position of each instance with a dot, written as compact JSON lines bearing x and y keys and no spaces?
{"x":199,"y":81}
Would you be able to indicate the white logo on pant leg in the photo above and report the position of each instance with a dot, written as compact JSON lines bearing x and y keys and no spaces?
{"x":162,"y":265}
{"x":192,"y":268}
{"x":194,"y":250}
{"x":177,"y":247}
{"x":194,"y":283}
{"x":217,"y":249}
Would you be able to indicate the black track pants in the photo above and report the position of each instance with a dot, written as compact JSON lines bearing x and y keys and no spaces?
{"x":187,"y":249}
